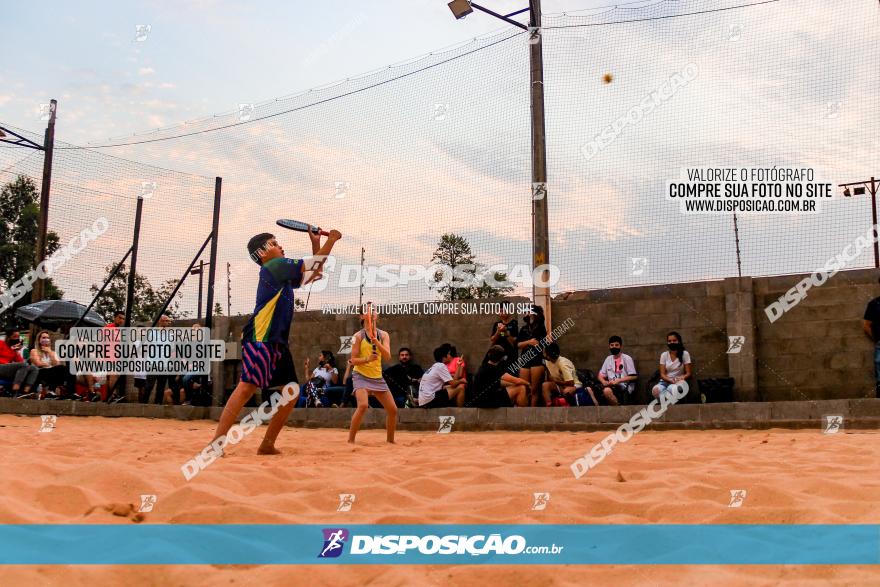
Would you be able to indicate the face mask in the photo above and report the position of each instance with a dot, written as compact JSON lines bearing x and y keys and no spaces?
{"x":615,"y":352}
{"x":676,"y":346}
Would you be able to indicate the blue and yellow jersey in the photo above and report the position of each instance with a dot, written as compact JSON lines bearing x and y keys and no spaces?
{"x":274,"y":310}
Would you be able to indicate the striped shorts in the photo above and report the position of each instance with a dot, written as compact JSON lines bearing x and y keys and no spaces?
{"x":266,"y":364}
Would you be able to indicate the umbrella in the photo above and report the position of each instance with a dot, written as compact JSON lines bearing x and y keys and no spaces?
{"x":54,"y":313}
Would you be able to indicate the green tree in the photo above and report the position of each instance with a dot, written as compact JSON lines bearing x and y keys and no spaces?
{"x":454,"y":251}
{"x":147,"y":300}
{"x":19,"y":222}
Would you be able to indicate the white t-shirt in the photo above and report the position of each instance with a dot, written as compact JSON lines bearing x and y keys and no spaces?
{"x":674,"y":368}
{"x":626,"y":368}
{"x":326,"y":375}
{"x":432,"y":382}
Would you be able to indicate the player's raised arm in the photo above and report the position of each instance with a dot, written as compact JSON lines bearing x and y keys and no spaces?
{"x":312,"y":269}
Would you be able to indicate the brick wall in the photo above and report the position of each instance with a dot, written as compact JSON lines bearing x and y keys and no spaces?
{"x":814,"y":351}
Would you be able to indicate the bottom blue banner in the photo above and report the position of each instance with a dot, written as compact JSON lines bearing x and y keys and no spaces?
{"x":493,"y":544}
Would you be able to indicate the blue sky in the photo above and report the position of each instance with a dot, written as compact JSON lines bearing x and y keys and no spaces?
{"x":206,"y":56}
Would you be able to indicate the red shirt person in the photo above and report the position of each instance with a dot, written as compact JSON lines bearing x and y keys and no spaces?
{"x":13,"y":366}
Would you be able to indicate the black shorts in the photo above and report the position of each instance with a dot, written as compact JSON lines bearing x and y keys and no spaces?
{"x":285,"y":370}
{"x":536,"y":359}
{"x":620,"y":392}
{"x":441,"y":400}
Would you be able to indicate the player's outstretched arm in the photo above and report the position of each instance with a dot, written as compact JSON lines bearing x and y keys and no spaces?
{"x":313,"y":270}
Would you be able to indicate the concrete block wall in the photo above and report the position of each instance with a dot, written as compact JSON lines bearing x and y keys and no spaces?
{"x":814,"y":351}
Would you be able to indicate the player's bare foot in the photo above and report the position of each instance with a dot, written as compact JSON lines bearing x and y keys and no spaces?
{"x":268,"y":450}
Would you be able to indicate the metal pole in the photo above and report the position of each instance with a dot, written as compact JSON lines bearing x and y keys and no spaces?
{"x":540,"y":228}
{"x":201,"y":276}
{"x":505,"y":18}
{"x":181,"y":280}
{"x":361,"y":294}
{"x":132,"y":271}
{"x":228,"y":289}
{"x":215,"y":231}
{"x":739,"y":270}
{"x":874,"y":216}
{"x":103,"y":287}
{"x":43,"y":225}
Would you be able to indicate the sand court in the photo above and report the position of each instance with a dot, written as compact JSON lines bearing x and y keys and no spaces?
{"x":95,"y":470}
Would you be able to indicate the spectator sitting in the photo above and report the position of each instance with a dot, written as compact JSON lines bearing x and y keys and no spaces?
{"x":494,"y":387}
{"x":529,"y":340}
{"x":52,"y":373}
{"x":562,"y":379}
{"x":13,"y":366}
{"x":438,"y":389}
{"x":618,"y":374}
{"x":403,"y":378}
{"x":457,"y":366}
{"x":327,"y":372}
{"x":504,"y":333}
{"x":675,"y":364}
{"x":195,"y":390}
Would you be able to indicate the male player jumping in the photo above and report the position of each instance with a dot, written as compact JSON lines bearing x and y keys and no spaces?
{"x":265,"y":355}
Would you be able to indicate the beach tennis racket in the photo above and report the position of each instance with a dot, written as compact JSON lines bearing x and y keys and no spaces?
{"x":369,"y":324}
{"x":299,"y":226}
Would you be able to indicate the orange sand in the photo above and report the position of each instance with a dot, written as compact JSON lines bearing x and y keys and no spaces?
{"x":88,"y":470}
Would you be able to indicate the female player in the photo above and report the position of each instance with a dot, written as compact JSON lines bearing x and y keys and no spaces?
{"x":368,"y":349}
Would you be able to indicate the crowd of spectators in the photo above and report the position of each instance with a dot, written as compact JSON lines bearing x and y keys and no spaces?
{"x":38,"y":373}
{"x":522,"y":366}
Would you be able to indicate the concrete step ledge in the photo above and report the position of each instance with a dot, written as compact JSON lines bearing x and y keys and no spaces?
{"x":861,"y":413}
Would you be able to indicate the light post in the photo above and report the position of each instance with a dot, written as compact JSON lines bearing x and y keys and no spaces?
{"x":200,"y":271}
{"x":48,"y":147}
{"x":859,"y":189}
{"x":540,"y":224}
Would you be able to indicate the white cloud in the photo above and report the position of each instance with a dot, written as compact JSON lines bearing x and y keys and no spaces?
{"x":146,"y":71}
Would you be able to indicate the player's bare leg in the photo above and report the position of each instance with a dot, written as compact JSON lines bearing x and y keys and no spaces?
{"x":387,"y":401}
{"x":267,"y":447}
{"x":241,"y":395}
{"x":363,"y":403}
